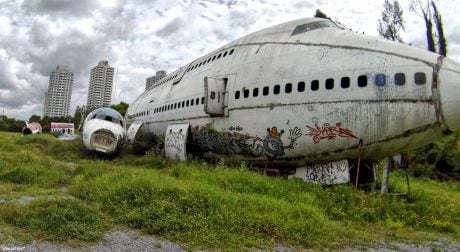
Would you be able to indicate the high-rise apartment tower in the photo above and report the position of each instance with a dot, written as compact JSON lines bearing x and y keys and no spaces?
{"x":57,"y":99}
{"x":150,"y":81}
{"x":100,"y":86}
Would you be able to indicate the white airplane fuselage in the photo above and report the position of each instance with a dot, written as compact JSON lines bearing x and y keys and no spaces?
{"x":306,"y":92}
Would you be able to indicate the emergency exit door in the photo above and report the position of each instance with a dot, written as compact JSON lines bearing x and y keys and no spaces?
{"x":215,"y":92}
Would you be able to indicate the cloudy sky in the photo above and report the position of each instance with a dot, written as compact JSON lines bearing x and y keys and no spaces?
{"x":140,"y":37}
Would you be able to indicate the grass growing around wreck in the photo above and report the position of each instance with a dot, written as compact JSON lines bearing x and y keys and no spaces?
{"x":75,"y":197}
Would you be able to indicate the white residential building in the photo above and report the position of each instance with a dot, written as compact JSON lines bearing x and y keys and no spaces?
{"x":150,"y":81}
{"x":100,"y":86}
{"x":57,"y":99}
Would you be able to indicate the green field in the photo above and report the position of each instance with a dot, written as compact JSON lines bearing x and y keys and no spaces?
{"x":56,"y":191}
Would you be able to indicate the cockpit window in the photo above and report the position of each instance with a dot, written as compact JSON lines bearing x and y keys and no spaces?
{"x":107,"y":114}
{"x":313,"y":26}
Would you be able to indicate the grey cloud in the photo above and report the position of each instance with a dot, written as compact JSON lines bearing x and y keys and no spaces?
{"x":60,"y":8}
{"x":171,"y":27}
{"x":40,"y":34}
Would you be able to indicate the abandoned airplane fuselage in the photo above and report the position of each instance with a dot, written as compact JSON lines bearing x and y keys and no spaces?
{"x":302,"y":93}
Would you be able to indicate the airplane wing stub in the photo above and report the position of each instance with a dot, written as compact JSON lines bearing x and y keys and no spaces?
{"x":132,"y":131}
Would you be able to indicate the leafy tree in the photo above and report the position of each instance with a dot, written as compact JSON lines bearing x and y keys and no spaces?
{"x":79,"y":116}
{"x":35,"y":118}
{"x":442,"y":43}
{"x":422,"y":8}
{"x":392,"y":21}
{"x":122,"y":107}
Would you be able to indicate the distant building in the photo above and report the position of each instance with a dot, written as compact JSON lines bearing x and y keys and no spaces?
{"x":63,"y":128}
{"x":149,"y":82}
{"x":100,"y":86}
{"x":57,"y":99}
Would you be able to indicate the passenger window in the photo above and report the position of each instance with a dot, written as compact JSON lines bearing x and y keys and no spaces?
{"x":231,"y":52}
{"x":345,"y":82}
{"x":400,"y":79}
{"x":220,"y":54}
{"x":191,"y":102}
{"x":420,"y":78}
{"x":225,"y":54}
{"x":255,"y":92}
{"x":197,"y":101}
{"x":175,"y":105}
{"x":288,"y":88}
{"x":330,"y":83}
{"x":362,"y":81}
{"x":188,"y":102}
{"x":265,"y":91}
{"x":178,"y":105}
{"x":314,"y":85}
{"x":246,"y":93}
{"x":213,"y":58}
{"x":380,"y":80}
{"x":208,"y":60}
{"x":202,"y":100}
{"x":183,"y":103}
{"x":301,"y":86}
{"x":276,"y":89}
{"x":237,"y":95}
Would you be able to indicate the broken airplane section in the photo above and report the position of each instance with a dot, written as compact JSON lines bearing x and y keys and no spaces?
{"x":104,"y":131}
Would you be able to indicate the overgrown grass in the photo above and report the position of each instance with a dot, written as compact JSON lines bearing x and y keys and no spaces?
{"x":202,"y":205}
{"x":56,"y":219}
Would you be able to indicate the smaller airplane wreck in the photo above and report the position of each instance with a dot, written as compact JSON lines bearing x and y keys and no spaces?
{"x":104,"y":131}
{"x":32,"y":128}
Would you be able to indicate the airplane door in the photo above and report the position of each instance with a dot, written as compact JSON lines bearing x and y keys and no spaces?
{"x":215,"y":93}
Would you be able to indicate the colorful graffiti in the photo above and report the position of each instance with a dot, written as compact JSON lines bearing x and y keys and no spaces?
{"x":328,"y":132}
{"x":272,"y":145}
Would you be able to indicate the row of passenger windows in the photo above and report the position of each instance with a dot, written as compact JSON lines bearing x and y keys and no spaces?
{"x":362,"y":81}
{"x":217,"y":56}
{"x":178,"y":105}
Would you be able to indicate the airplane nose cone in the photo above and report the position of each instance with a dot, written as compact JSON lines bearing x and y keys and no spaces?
{"x":449,"y":93}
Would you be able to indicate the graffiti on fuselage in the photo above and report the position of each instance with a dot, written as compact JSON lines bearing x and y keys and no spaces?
{"x":329,"y":132}
{"x":175,"y":140}
{"x":221,"y":142}
{"x":271,"y":145}
{"x":327,"y":173}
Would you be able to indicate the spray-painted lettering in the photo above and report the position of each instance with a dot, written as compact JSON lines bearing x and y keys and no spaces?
{"x":329,"y":132}
{"x":175,"y":140}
